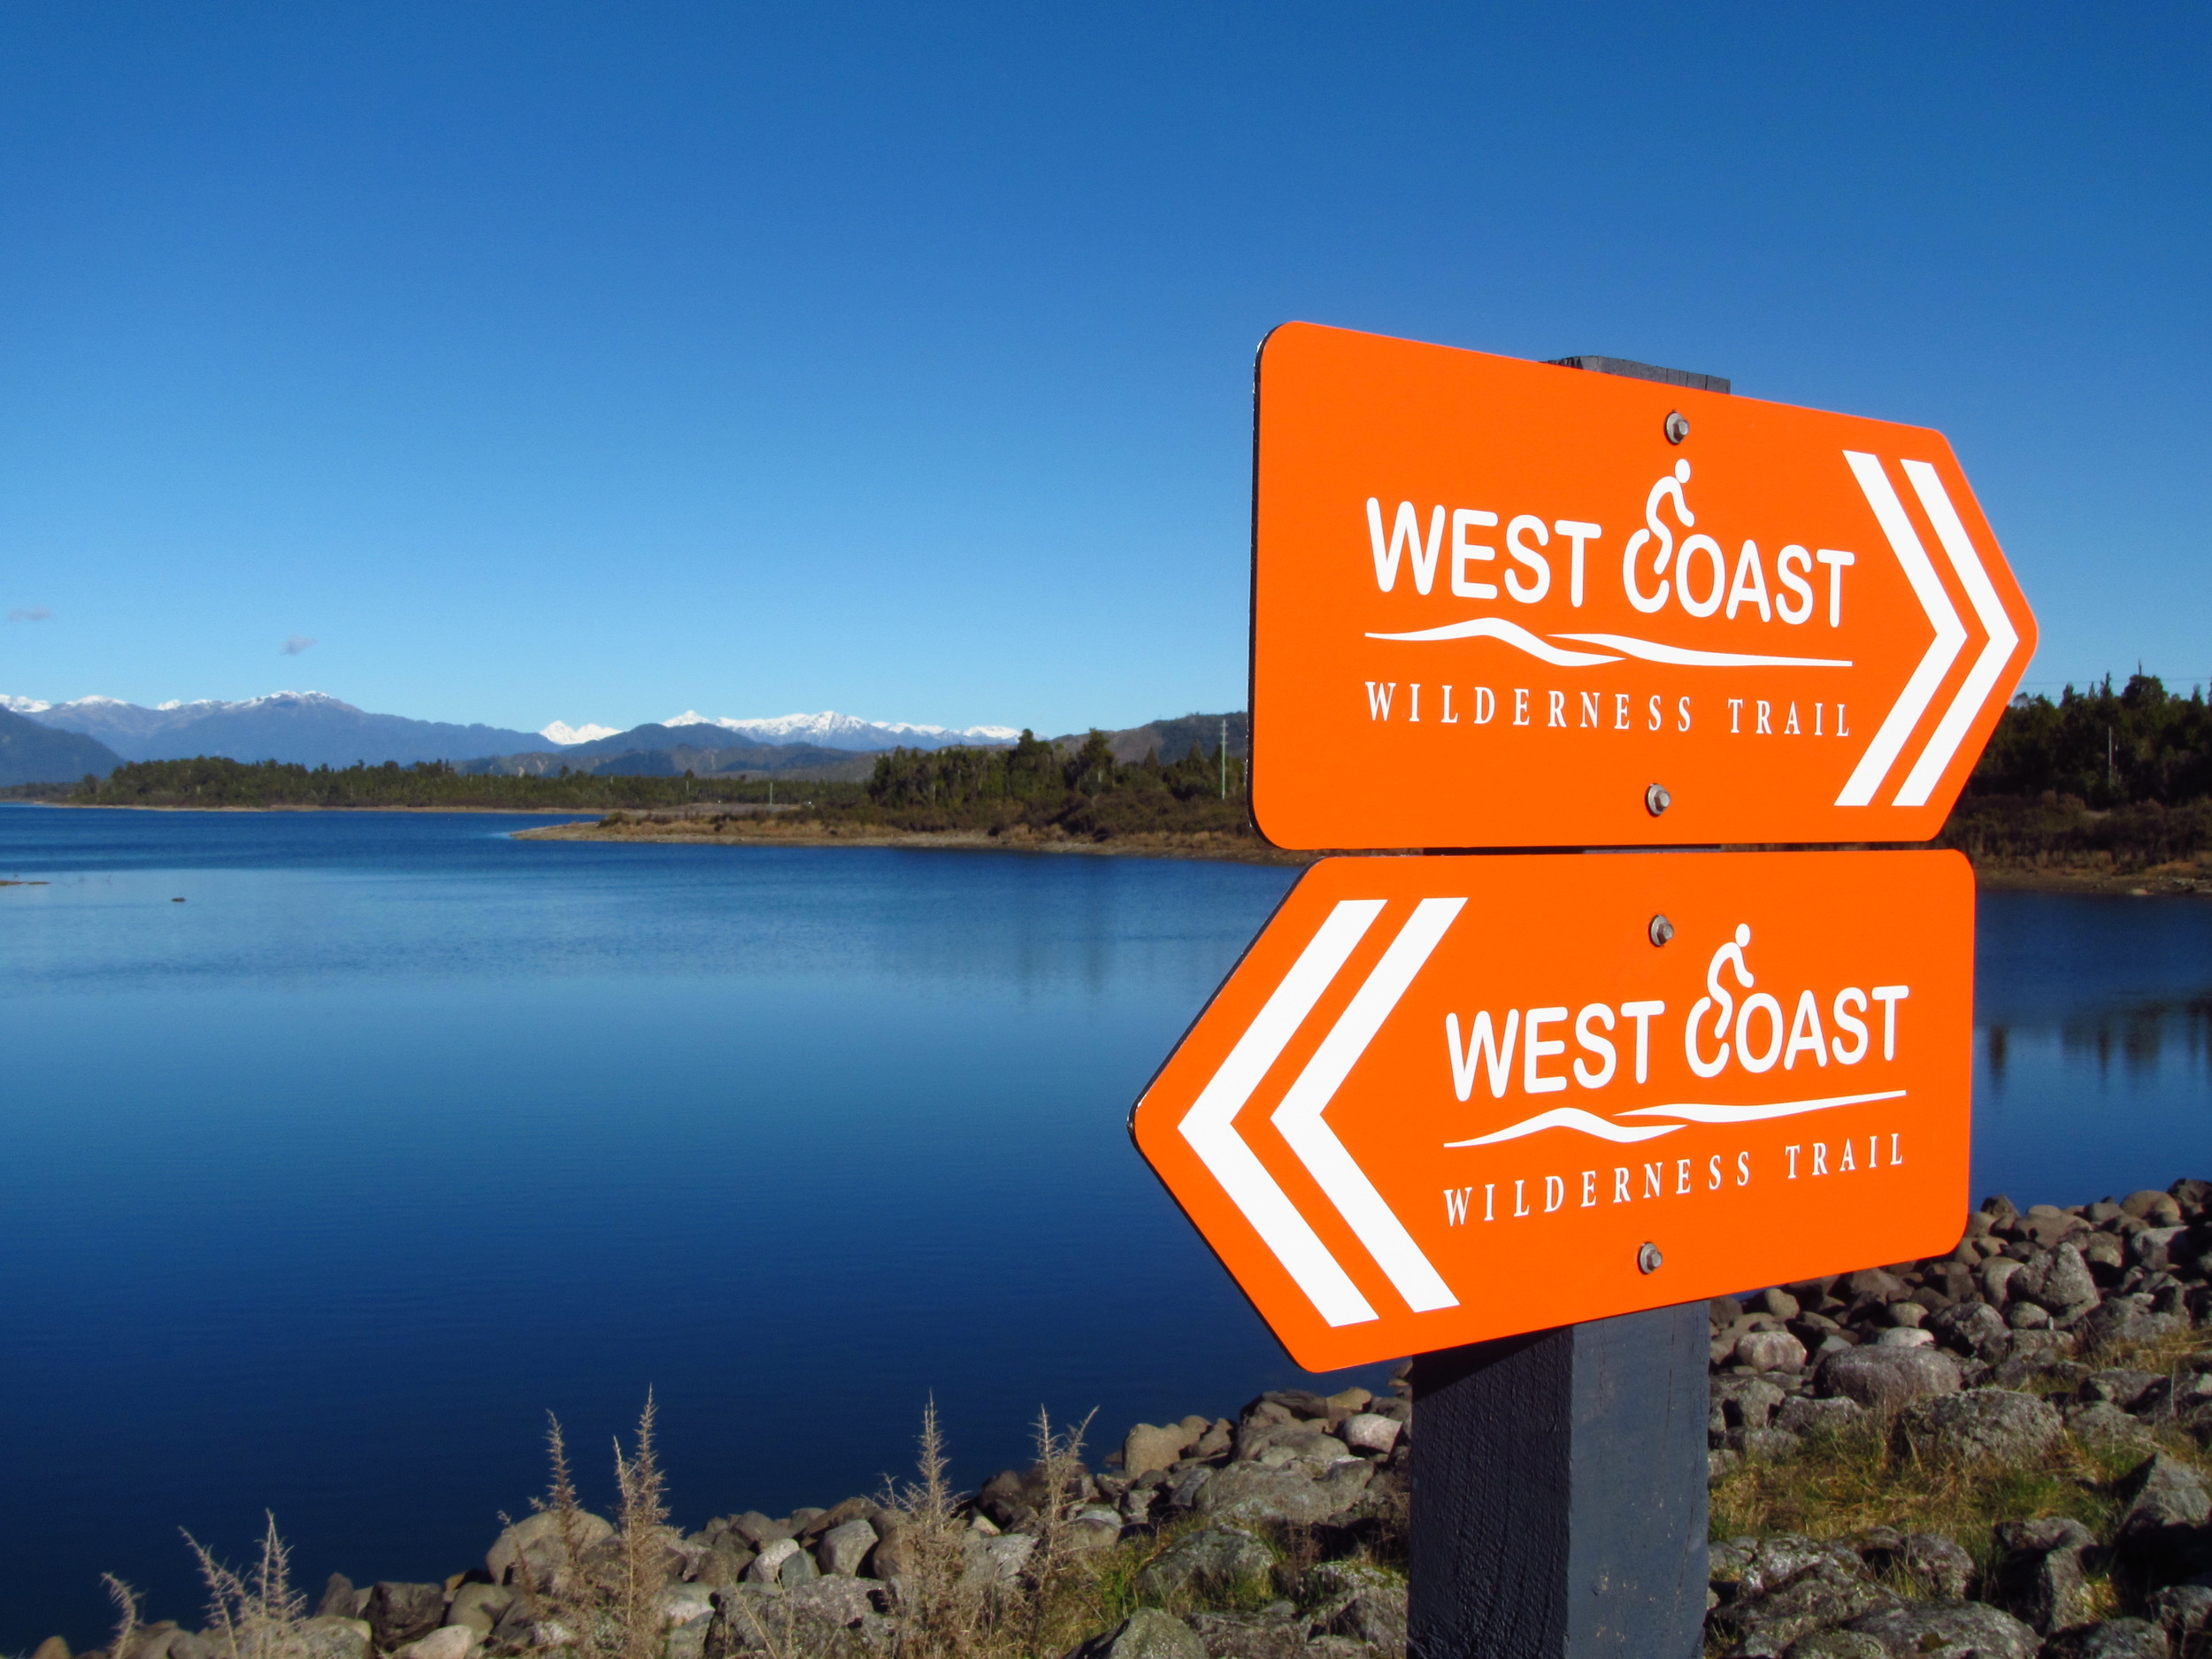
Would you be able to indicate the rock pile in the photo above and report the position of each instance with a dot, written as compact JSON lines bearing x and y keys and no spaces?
{"x":1275,"y":1536}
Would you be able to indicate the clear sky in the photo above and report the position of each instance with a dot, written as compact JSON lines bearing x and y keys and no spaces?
{"x":598,"y":362}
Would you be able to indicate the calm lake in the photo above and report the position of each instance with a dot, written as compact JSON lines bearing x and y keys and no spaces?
{"x":319,"y":1190}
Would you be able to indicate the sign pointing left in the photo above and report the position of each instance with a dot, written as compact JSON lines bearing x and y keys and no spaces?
{"x":1446,"y":1099}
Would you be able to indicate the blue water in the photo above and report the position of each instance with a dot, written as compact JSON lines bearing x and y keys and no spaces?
{"x":319,"y":1189}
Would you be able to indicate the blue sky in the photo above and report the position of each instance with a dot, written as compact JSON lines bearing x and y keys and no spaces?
{"x":596,"y":361}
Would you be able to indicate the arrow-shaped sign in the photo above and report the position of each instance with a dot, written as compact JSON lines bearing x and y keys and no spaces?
{"x":1403,"y":1132}
{"x":1507,"y":603}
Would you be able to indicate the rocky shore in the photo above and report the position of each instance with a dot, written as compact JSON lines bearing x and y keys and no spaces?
{"x":2000,"y":1453}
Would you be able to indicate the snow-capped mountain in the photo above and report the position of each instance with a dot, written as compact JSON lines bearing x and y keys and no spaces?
{"x":831,"y":730}
{"x":562,"y":733}
{"x":314,"y":729}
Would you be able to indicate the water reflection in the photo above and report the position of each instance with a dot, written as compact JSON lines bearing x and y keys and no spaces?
{"x":2145,"y":1036}
{"x":2092,"y":1065}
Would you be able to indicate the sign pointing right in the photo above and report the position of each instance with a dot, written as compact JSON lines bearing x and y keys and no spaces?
{"x":1498,"y":603}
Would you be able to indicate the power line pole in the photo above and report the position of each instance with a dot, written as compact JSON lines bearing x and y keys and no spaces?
{"x":1223,"y":756}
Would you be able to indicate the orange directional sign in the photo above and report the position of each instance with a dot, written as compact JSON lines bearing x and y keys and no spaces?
{"x":1448,"y":1099}
{"x":1495,"y":602}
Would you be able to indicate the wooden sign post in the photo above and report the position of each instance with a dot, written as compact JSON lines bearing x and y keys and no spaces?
{"x":1521,"y":1116}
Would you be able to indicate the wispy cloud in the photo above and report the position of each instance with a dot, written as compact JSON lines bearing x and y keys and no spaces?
{"x":30,"y":613}
{"x":294,"y":645}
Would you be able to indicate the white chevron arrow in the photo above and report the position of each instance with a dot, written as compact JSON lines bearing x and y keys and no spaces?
{"x":2003,"y":638}
{"x":1943,"y":650}
{"x":1300,"y":1119}
{"x":1209,"y":1126}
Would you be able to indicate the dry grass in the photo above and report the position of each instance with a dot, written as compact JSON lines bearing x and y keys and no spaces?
{"x":602,"y":1600}
{"x":1847,"y":1482}
{"x":256,"y":1614}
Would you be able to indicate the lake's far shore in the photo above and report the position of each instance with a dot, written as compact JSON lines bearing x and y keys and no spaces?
{"x":317,"y":806}
{"x":816,"y":832}
{"x":751,"y":824}
{"x":2090,"y":874}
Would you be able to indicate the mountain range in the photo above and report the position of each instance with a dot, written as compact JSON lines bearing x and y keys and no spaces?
{"x":313,"y":729}
{"x":43,"y":742}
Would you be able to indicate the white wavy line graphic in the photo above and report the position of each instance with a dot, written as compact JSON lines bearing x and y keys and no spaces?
{"x":1569,"y":1117}
{"x":1511,"y":634}
{"x":1683,"y":657}
{"x":1709,"y":1112}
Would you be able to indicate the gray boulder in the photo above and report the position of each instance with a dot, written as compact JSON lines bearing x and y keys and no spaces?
{"x":1250,"y":1493}
{"x":2162,"y":1532}
{"x":767,"y":1567}
{"x":1884,"y":1378}
{"x":2037,"y":1570}
{"x":330,"y":1638}
{"x":1769,"y":1350}
{"x":1745,"y":1403}
{"x":844,"y":1546}
{"x":1947,"y":1630}
{"x":1148,"y":1633}
{"x":2184,"y":1611}
{"x":1826,"y":1595}
{"x":1837,"y":1644}
{"x":1802,"y":1417}
{"x":534,"y":1543}
{"x":2126,"y":1389}
{"x":478,"y":1607}
{"x":1273,"y":1632}
{"x":2121,"y":1320}
{"x":1983,"y":1426}
{"x":2114,"y":1638}
{"x":2101,"y":1422}
{"x":997,"y":1559}
{"x":2057,"y":1281}
{"x":1970,"y":1327}
{"x":397,"y":1614}
{"x":1146,"y":1447}
{"x":1933,"y":1563}
{"x":1370,"y":1432}
{"x":1359,"y":1601}
{"x":1214,"y":1562}
{"x":1745,"y":1567}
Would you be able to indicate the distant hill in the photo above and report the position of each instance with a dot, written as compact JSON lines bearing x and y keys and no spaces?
{"x":1173,"y":739}
{"x":32,"y":753}
{"x":663,"y":751}
{"x":304,"y":727}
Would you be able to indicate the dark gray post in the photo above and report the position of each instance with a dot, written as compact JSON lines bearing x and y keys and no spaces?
{"x":1559,"y":1493}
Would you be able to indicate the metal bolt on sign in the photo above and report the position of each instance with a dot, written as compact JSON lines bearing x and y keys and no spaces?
{"x":1437,"y":1108}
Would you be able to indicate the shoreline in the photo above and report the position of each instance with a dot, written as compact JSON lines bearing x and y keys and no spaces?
{"x":2178,"y":879}
{"x":2094,"y":877}
{"x":2002,"y":1443}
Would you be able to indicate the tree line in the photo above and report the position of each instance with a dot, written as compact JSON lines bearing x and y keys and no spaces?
{"x":212,"y":780}
{"x":2137,"y":745}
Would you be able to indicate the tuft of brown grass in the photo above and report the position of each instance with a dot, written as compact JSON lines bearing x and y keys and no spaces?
{"x":255,"y":1614}
{"x":602,"y":1600}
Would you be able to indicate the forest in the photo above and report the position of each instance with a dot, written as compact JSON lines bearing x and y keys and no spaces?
{"x":2125,"y":774}
{"x":213,"y":781}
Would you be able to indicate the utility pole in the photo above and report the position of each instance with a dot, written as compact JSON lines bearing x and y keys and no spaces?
{"x":1223,"y":756}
